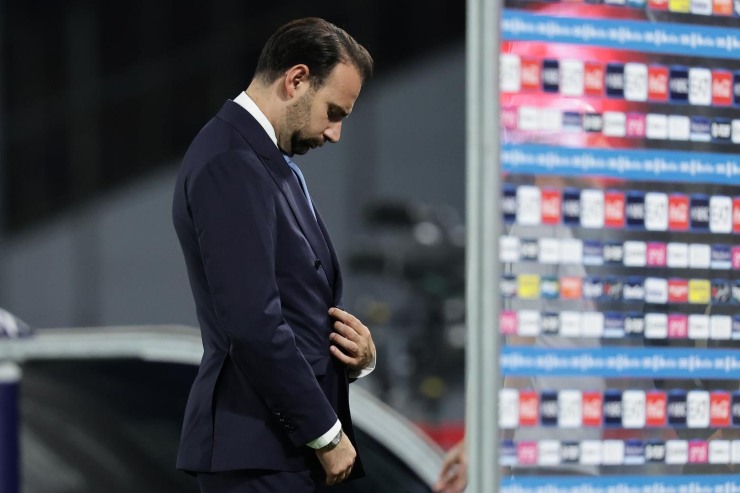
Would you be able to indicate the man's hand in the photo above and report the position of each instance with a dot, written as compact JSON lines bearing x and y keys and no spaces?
{"x":338,"y":462}
{"x":454,"y":474}
{"x":353,"y":343}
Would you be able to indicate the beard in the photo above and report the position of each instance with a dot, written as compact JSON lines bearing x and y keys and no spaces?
{"x":298,"y":118}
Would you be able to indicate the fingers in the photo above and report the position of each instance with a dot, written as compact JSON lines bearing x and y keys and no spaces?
{"x":348,"y":320}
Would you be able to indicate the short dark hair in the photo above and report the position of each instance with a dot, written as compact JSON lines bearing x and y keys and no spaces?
{"x":318,"y":44}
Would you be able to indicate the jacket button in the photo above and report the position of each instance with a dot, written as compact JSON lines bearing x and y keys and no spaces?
{"x":317,"y":264}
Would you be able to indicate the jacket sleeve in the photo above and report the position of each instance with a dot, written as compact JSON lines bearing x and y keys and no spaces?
{"x":233,"y":207}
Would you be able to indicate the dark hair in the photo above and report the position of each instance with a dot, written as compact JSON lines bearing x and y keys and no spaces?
{"x":318,"y":44}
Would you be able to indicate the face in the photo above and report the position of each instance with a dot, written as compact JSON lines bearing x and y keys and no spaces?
{"x":316,"y":115}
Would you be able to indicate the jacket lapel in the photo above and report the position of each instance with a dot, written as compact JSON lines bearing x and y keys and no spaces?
{"x":286,"y":180}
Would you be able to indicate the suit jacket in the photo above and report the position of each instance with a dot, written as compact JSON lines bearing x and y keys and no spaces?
{"x":264,"y":274}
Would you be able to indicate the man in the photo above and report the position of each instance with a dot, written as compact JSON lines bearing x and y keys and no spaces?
{"x":268,"y":410}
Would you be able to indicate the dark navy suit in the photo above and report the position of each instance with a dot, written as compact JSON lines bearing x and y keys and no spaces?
{"x":264,"y":274}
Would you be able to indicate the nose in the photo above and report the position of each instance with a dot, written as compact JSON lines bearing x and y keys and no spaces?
{"x":333,"y":132}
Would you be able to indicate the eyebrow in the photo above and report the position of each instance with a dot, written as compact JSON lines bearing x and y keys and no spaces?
{"x":338,"y":109}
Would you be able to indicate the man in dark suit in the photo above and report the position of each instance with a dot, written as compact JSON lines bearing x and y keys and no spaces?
{"x":269,"y":411}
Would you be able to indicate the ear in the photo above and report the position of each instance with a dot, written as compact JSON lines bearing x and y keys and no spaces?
{"x":296,"y":80}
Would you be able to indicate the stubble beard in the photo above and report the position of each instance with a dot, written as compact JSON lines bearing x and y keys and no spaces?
{"x":297,"y":118}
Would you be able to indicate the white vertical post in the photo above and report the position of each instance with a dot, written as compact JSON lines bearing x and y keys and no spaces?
{"x":484,"y":229}
{"x":10,"y":376}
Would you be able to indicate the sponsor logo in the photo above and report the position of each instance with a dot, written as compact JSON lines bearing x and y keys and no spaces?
{"x":550,"y":206}
{"x":529,"y":250}
{"x":615,"y":124}
{"x":569,"y":408}
{"x":529,"y":118}
{"x":549,"y":452}
{"x":634,"y":324}
{"x":529,"y":323}
{"x":614,"y":202}
{"x":736,"y":80}
{"x":676,"y":452}
{"x":549,"y":251}
{"x":676,"y":407}
{"x":549,"y":408}
{"x":656,"y":126}
{"x":612,"y":412}
{"x":507,"y":453}
{"x":591,"y":452}
{"x":633,"y":409}
{"x":721,"y":88}
{"x":700,"y":256}
{"x":508,"y":203}
{"x":592,"y":208}
{"x":699,"y":291}
{"x":656,"y":290}
{"x":679,"y":6}
{"x":720,"y":214}
{"x":593,"y":122}
{"x":679,"y":127}
{"x":656,"y":326}
{"x":655,"y":452}
{"x":720,"y":327}
{"x":592,"y":324}
{"x":528,"y":205}
{"x":657,"y":83}
{"x":721,"y":291}
{"x":570,"y":452}
{"x":678,"y":326}
{"x":736,"y":292}
{"x":614,"y":253}
{"x":593,"y":288}
{"x":635,"y":253}
{"x":510,"y":73}
{"x":530,"y":74}
{"x":613,"y":324}
{"x":550,"y":75}
{"x":655,"y":408}
{"x":719,"y":452}
{"x":736,"y":327}
{"x":572,"y":207}
{"x":658,"y":4}
{"x":592,"y":407}
{"x":697,"y":409}
{"x":678,"y":290}
{"x":736,"y":215}
{"x":721,"y":130}
{"x":634,"y":289}
{"x":571,"y":288}
{"x":735,"y":408}
{"x":593,"y":79}
{"x":508,"y":322}
{"x":721,"y":257}
{"x":508,"y":408}
{"x":571,"y":77}
{"x":613,"y":289}
{"x":614,"y":80}
{"x":550,"y":323}
{"x":508,"y":249}
{"x":719,"y":409}
{"x":526,"y":453}
{"x":700,"y":129}
{"x":571,"y":252}
{"x":698,"y":452}
{"x":593,"y":252}
{"x":572,"y":120}
{"x":508,"y":286}
{"x":678,"y":212}
{"x":528,"y":408}
{"x":678,"y":84}
{"x":612,"y":452}
{"x":635,"y":82}
{"x":570,"y":324}
{"x":698,"y":326}
{"x":634,"y":209}
{"x":509,"y":118}
{"x":634,"y":452}
{"x":677,"y":255}
{"x":550,"y":287}
{"x":699,"y":212}
{"x":657,"y":254}
{"x":700,"y":86}
{"x":635,"y":125}
{"x":722,"y":7}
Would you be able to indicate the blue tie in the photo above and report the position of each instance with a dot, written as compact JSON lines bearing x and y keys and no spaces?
{"x":302,"y":180}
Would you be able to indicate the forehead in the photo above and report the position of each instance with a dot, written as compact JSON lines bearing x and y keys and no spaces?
{"x":342,"y":86}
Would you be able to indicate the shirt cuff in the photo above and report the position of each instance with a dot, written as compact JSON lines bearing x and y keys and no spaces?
{"x":365,"y":371}
{"x":327,"y":437}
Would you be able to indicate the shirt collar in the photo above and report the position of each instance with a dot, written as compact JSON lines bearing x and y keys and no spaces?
{"x":248,"y":104}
